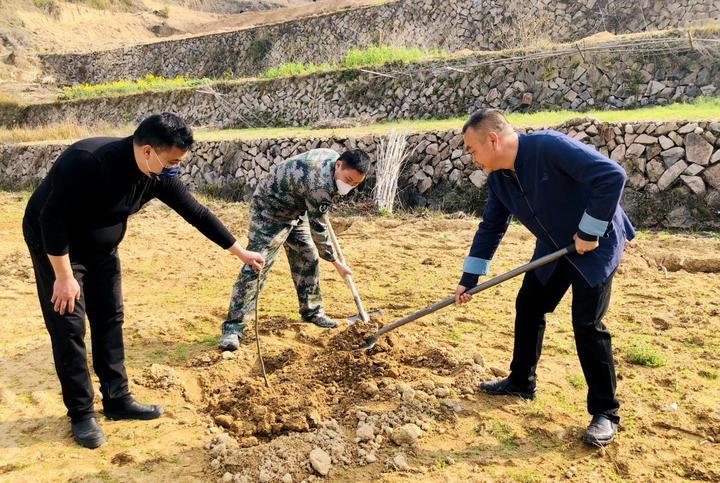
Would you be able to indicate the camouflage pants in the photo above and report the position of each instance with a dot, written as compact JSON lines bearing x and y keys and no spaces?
{"x":267,"y":237}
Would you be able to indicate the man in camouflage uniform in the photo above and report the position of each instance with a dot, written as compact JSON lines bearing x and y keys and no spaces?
{"x":288,"y":209}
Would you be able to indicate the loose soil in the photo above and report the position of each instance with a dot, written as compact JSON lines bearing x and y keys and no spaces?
{"x":407,"y":412}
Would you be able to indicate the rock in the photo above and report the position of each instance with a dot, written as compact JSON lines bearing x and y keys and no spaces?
{"x":370,"y":458}
{"x":425,"y":185}
{"x":365,"y":432}
{"x":697,"y":149}
{"x":637,"y":181}
{"x":370,"y":388}
{"x":712,"y":176}
{"x":478,"y":178}
{"x":442,"y":392}
{"x":618,"y":154}
{"x":229,"y":355}
{"x":672,"y":173}
{"x":408,"y":394}
{"x":680,"y":217}
{"x":227,"y":477}
{"x":654,"y":87}
{"x":407,"y":434}
{"x":320,"y":461}
{"x":265,"y":476}
{"x":672,"y":155}
{"x":694,"y":170}
{"x":666,"y":143}
{"x":224,"y":420}
{"x":497,"y":372}
{"x":645,"y":139}
{"x":400,"y":462}
{"x":287,"y":478}
{"x":695,"y":183}
{"x":655,"y":169}
{"x":687,"y":128}
{"x":715,"y":157}
{"x":635,"y":150}
{"x":453,"y":405}
{"x":432,"y":149}
{"x":478,"y":358}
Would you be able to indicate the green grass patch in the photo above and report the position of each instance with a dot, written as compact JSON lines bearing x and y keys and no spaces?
{"x":643,"y":353}
{"x":708,"y":374}
{"x":292,"y":69}
{"x":386,"y":54}
{"x":149,"y":83}
{"x":505,"y":434}
{"x":355,"y":58}
{"x":524,"y":476}
{"x":702,"y":109}
{"x":577,"y":381}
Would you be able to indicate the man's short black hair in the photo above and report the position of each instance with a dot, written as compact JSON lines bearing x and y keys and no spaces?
{"x":164,"y":131}
{"x":492,"y":119}
{"x":356,"y":159}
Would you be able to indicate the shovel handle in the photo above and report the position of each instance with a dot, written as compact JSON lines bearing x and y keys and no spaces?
{"x":348,"y":278}
{"x":479,"y":288}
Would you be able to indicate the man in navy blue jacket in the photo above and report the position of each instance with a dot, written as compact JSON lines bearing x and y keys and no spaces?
{"x":561,"y":190}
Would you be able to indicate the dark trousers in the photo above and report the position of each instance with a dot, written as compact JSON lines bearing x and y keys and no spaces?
{"x":101,"y":300}
{"x":592,"y":339}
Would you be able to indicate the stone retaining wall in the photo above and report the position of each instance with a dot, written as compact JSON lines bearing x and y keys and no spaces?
{"x":639,"y":75}
{"x":673,"y":168}
{"x":445,"y":24}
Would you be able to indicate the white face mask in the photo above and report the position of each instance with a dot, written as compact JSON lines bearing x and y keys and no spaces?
{"x":343,"y":187}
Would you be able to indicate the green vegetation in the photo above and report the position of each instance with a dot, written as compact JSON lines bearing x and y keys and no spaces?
{"x":577,"y":381}
{"x":708,"y":374}
{"x":700,"y":109}
{"x":354,"y":58}
{"x":704,"y":108}
{"x":643,"y":353}
{"x":146,"y":84}
{"x":505,"y":434}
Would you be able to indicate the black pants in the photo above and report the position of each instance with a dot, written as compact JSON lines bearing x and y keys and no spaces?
{"x":101,"y":300}
{"x":592,"y":340}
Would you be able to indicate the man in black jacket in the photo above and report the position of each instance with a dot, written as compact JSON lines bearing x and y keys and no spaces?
{"x":73,"y":224}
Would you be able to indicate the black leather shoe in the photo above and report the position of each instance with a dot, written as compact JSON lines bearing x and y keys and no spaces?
{"x":600,"y":432}
{"x":132,"y":409}
{"x":505,"y":387}
{"x":87,"y":433}
{"x":322,"y":320}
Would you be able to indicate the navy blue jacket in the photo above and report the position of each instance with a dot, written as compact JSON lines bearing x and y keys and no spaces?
{"x":560,"y":186}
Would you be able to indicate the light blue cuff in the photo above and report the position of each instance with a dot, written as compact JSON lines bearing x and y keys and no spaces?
{"x":593,"y":226}
{"x":476,"y":266}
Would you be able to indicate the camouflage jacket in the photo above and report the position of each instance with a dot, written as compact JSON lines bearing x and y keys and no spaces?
{"x":302,"y":184}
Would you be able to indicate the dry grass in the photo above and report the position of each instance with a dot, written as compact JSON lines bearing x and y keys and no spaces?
{"x":62,"y":131}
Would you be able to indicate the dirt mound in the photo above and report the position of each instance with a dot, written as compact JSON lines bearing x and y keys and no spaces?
{"x":357,"y":407}
{"x":675,"y":263}
{"x":158,"y":376}
{"x":251,"y":409}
